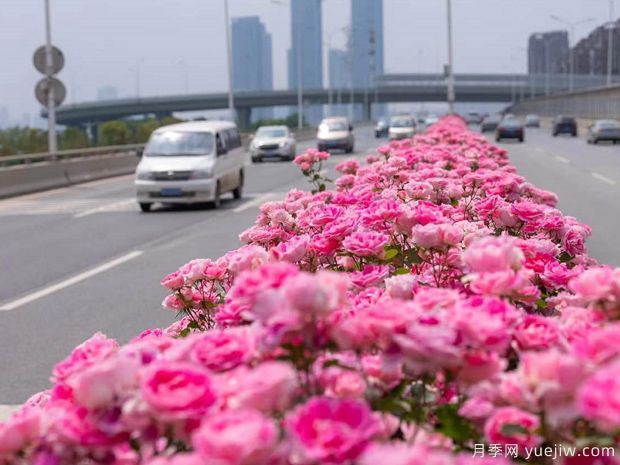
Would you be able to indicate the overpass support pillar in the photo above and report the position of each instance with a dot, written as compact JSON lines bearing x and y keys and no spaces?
{"x":367,"y":110}
{"x":244,"y":115}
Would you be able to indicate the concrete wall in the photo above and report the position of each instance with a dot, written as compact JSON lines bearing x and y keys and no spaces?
{"x":599,"y":103}
{"x":24,"y":179}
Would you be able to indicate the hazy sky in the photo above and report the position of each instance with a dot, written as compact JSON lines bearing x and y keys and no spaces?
{"x":105,"y":40}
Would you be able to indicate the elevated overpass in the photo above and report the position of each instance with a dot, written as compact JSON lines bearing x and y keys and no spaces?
{"x":390,"y":88}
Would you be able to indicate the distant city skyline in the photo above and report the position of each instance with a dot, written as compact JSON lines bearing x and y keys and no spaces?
{"x":106,"y":43}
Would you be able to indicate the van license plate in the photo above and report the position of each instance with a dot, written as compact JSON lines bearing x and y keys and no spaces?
{"x":171,"y":192}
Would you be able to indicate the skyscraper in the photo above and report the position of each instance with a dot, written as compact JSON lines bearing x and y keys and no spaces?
{"x":367,"y":43}
{"x":252,"y":59}
{"x":339,"y":76}
{"x":548,"y":53}
{"x":307,"y":43}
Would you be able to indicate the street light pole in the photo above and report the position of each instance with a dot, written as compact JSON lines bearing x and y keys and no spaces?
{"x":300,"y":97}
{"x":231,"y":101}
{"x":52,"y":141}
{"x":610,"y":41}
{"x":450,"y":62}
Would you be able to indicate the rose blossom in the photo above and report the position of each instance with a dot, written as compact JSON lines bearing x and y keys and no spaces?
{"x":366,"y":243}
{"x":325,"y":430}
{"x":237,"y":437}
{"x":510,"y":425}
{"x":177,"y":389}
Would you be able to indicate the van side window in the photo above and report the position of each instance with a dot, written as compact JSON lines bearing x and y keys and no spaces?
{"x":236,"y":137}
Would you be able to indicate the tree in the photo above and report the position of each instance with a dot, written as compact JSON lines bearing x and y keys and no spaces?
{"x":114,"y":133}
{"x":73,"y":138}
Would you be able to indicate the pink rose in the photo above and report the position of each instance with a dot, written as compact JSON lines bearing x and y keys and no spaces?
{"x":598,"y":399}
{"x":325,"y":430}
{"x":237,"y":437}
{"x":292,"y":250}
{"x":268,"y":387}
{"x":366,"y":243}
{"x":90,"y":352}
{"x":22,"y":428}
{"x":493,"y":254}
{"x":510,"y":425}
{"x":177,"y":389}
{"x":537,"y":332}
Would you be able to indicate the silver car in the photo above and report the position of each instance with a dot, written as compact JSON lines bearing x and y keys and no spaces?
{"x":401,"y":127}
{"x":271,"y":142}
{"x":604,"y":130}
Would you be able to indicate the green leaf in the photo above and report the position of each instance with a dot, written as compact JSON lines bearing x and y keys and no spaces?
{"x":402,"y":270}
{"x":454,"y":202}
{"x":565,"y":257}
{"x":390,"y":252}
{"x":511,"y":429}
{"x":412,"y":256}
{"x":451,"y":424}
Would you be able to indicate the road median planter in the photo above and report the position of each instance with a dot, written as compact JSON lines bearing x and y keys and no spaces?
{"x":428,"y":306}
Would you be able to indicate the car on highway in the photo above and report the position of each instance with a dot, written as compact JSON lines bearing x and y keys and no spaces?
{"x":335,"y":133}
{"x":604,"y":130}
{"x":564,"y":125}
{"x":490,"y":123}
{"x":401,"y":127}
{"x":510,"y":128}
{"x":272,"y":142}
{"x":192,"y":162}
{"x":381,"y":128}
{"x":473,"y":118}
{"x":532,"y":121}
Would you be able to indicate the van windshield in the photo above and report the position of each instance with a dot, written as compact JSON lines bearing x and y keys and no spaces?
{"x":333,"y":126}
{"x":177,"y":144}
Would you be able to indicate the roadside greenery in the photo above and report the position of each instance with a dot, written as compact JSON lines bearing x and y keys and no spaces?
{"x":18,"y":140}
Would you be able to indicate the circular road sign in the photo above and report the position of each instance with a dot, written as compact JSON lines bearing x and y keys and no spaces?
{"x":44,"y":85}
{"x":40,"y":62}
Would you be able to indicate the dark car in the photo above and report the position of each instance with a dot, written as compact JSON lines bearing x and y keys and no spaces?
{"x":510,"y":128}
{"x":604,"y":130}
{"x":473,"y":118}
{"x":564,"y":125}
{"x":490,"y":123}
{"x":381,"y":128}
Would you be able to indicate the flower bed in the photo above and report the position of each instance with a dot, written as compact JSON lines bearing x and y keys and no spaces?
{"x":432,"y":303}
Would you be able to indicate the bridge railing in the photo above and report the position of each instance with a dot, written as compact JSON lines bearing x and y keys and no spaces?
{"x":47,"y":157}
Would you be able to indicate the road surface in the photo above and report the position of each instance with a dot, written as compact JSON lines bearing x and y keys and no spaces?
{"x":83,"y":259}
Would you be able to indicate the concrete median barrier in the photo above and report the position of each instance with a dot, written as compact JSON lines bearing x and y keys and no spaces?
{"x":24,"y":179}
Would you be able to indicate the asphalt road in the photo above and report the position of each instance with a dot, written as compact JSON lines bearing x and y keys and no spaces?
{"x":84,"y":259}
{"x":585,"y":177}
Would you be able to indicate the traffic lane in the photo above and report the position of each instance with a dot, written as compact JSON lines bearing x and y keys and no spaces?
{"x":603,"y":158}
{"x":121,"y":301}
{"x":68,"y":242}
{"x":590,"y":200}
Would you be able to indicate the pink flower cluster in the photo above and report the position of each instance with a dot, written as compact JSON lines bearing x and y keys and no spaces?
{"x":433,"y":301}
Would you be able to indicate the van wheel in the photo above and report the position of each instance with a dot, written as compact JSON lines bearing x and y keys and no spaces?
{"x":145,"y":207}
{"x":217,"y":199}
{"x":238,"y":192}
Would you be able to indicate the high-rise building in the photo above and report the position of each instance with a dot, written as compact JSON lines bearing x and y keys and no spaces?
{"x":339,"y":79}
{"x":366,"y":45}
{"x":107,"y":93}
{"x":307,"y":44}
{"x":252,"y":63}
{"x":590,"y":53}
{"x":548,"y":53}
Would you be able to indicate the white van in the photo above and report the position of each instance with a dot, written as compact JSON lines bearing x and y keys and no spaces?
{"x":191,"y":162}
{"x":335,"y":133}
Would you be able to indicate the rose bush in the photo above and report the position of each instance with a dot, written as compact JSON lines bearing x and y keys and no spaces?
{"x":434,"y":300}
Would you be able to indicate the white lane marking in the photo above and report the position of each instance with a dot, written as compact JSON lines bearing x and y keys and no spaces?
{"x":562,"y":159}
{"x":7,"y":410}
{"x":602,"y":178}
{"x":70,"y":281}
{"x":254,"y":202}
{"x":113,"y":206}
